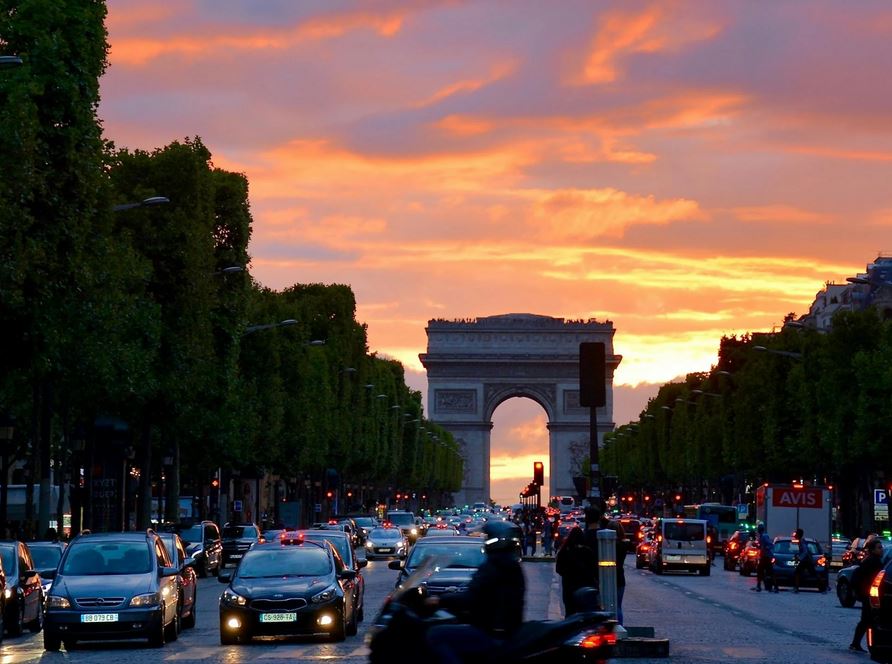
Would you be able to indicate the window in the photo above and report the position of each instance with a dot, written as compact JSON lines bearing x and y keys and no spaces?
{"x":683,"y":532}
{"x":211,"y":532}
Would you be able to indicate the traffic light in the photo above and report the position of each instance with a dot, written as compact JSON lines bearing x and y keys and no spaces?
{"x":215,"y":483}
{"x":538,"y":473}
{"x":329,"y":494}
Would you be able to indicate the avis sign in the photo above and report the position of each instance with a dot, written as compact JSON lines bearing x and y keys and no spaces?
{"x":794,"y":497}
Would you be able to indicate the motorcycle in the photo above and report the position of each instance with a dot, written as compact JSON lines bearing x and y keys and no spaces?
{"x":398,"y":633}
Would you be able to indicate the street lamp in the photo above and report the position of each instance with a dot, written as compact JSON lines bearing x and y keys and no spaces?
{"x":9,"y":61}
{"x":230,"y":269}
{"x":152,"y":201}
{"x":773,"y":351}
{"x":256,"y":328}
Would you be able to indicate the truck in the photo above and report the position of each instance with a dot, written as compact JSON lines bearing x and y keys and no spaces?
{"x":785,"y":507}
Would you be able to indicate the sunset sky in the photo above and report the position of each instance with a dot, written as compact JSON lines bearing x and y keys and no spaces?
{"x":684,"y":169}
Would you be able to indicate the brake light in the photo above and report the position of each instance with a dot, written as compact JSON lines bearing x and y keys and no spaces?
{"x":752,"y":553}
{"x":598,"y":640}
{"x":732,"y":545}
{"x":709,"y":539}
{"x":645,"y":547}
{"x":821,"y":561}
{"x":875,"y":589}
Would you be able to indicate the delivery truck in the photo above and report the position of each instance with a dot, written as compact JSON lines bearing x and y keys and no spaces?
{"x":785,"y":507}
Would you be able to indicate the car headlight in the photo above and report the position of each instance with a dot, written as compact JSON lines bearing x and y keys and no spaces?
{"x":414,"y":531}
{"x":57,"y":602}
{"x":8,"y":593}
{"x":148,"y":599}
{"x":324,"y":596}
{"x":369,"y":544}
{"x":233,"y":599}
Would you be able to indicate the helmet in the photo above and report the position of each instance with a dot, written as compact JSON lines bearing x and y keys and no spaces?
{"x":761,"y":528}
{"x":501,"y":536}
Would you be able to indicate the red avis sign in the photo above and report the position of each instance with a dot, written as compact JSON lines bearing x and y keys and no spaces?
{"x":813,"y":498}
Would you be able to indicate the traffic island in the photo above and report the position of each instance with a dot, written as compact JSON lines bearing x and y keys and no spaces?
{"x":641,"y":642}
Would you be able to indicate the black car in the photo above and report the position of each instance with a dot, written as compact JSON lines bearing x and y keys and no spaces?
{"x":112,"y":586}
{"x":786,"y":559}
{"x":879,"y":634}
{"x":365,"y":525}
{"x":844,"y":591}
{"x":287,"y":589}
{"x":458,"y":557}
{"x":237,"y":539}
{"x":187,"y":579}
{"x":46,"y":557}
{"x":204,"y":545}
{"x":343,"y":546}
{"x":23,"y":596}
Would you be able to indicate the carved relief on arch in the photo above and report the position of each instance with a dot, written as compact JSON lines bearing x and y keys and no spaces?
{"x":543,"y":394}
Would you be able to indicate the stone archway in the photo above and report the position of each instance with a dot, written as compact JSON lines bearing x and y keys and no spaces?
{"x":474,"y":365}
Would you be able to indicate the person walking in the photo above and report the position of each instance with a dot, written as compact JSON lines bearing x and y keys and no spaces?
{"x":862,"y":578}
{"x":577,"y":565}
{"x":548,"y":538}
{"x":764,"y":570}
{"x":806,"y":562}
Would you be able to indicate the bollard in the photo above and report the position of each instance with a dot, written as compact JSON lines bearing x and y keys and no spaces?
{"x":607,"y":569}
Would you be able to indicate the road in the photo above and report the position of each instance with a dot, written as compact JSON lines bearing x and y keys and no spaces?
{"x":707,"y":619}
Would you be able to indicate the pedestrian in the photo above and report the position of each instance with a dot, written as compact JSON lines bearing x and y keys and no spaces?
{"x":577,"y":565}
{"x":712,"y":535}
{"x":805,"y":562}
{"x":862,"y":578}
{"x":531,"y":538}
{"x":548,"y":538}
{"x":764,"y":568}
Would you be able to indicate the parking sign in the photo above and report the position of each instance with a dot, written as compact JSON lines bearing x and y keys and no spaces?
{"x":880,"y":497}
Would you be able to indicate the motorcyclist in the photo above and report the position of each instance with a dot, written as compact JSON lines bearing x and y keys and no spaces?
{"x":493,"y":600}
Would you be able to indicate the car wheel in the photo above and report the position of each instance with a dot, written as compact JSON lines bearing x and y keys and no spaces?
{"x":638,"y":564}
{"x":172,"y":631}
{"x":189,"y":621}
{"x":845,"y":594}
{"x":339,"y":632}
{"x":51,"y":643}
{"x":704,"y":571}
{"x":353,"y":625}
{"x":17,"y":626}
{"x":156,"y":634}
{"x":37,"y":624}
{"x":658,"y":570}
{"x":69,"y":644}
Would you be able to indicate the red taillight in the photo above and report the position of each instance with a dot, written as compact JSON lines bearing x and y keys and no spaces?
{"x":752,"y":553}
{"x":645,"y":547}
{"x":732,"y":545}
{"x":875,"y":589}
{"x":598,"y":640}
{"x":821,"y":561}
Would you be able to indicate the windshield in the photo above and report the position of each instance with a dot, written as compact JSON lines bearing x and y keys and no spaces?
{"x":237,"y":532}
{"x":683,"y":532}
{"x":339,"y":543}
{"x":385,"y":533}
{"x":401,"y":519}
{"x":365,"y":521}
{"x":191,"y":534}
{"x":7,"y":555}
{"x":447,"y":555}
{"x":45,"y":557}
{"x":93,"y":559}
{"x":287,"y":561}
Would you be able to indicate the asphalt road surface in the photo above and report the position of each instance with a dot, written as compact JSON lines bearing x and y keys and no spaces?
{"x":707,"y":619}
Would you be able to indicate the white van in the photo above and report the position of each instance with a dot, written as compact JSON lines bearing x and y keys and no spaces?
{"x":680,"y":545}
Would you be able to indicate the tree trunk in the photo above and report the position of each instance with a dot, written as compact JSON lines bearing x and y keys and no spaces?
{"x":172,"y":509}
{"x":45,"y":444}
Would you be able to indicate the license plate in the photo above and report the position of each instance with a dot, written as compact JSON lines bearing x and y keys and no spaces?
{"x":790,"y":563}
{"x":277,"y":617}
{"x":99,"y":617}
{"x":673,"y":558}
{"x":236,"y":556}
{"x":385,"y":550}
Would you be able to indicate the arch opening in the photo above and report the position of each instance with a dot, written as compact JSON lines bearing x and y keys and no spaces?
{"x":519,"y":437}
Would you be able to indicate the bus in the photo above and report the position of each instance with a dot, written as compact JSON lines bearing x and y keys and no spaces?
{"x":722,"y":517}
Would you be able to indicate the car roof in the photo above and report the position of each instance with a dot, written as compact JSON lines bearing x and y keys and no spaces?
{"x":453,"y":539}
{"x":321,"y":532}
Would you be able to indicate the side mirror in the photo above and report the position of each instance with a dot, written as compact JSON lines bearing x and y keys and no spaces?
{"x":168,"y":571}
{"x":48,"y":573}
{"x":224,"y":575}
{"x":190,"y":562}
{"x":395,"y":564}
{"x":30,"y":574}
{"x":362,"y":562}
{"x":348,"y":574}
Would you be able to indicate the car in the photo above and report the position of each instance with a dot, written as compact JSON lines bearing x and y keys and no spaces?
{"x":188,"y":579}
{"x":23,"y":594}
{"x":237,"y":538}
{"x":680,"y":545}
{"x":287,"y":588}
{"x":854,"y":552}
{"x":112,"y":586}
{"x":643,"y":549}
{"x":457,"y":560}
{"x":440,"y":530}
{"x":364,"y":525}
{"x":785,"y":560}
{"x":46,"y":557}
{"x":838,"y":547}
{"x":633,"y":532}
{"x":844,"y":591}
{"x":203,"y":544}
{"x":879,"y":633}
{"x":748,"y":558}
{"x":405,"y":521}
{"x":344,"y":547}
{"x":733,"y":547}
{"x":340,"y":526}
{"x":386,"y":543}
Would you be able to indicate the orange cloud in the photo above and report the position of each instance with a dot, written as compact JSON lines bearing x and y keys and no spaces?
{"x":780,"y":213}
{"x":653,"y":30}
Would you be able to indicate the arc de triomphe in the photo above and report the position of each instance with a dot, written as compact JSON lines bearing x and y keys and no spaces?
{"x":475,"y":365}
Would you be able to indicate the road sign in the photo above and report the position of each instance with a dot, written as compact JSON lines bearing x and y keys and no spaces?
{"x":880,"y":497}
{"x":236,"y":506}
{"x":317,"y":507}
{"x":743,"y":511}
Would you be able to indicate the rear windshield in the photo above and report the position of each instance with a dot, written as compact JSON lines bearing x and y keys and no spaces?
{"x":93,"y":559}
{"x":683,"y":532}
{"x":365,"y":521}
{"x":46,"y":557}
{"x":287,"y":561}
{"x":191,"y":534}
{"x":788,"y":546}
{"x":233,"y":532}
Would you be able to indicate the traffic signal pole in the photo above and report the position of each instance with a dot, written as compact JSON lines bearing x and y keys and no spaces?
{"x":593,"y":393}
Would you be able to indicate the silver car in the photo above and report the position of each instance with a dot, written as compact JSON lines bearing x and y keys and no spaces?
{"x":386,"y":543}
